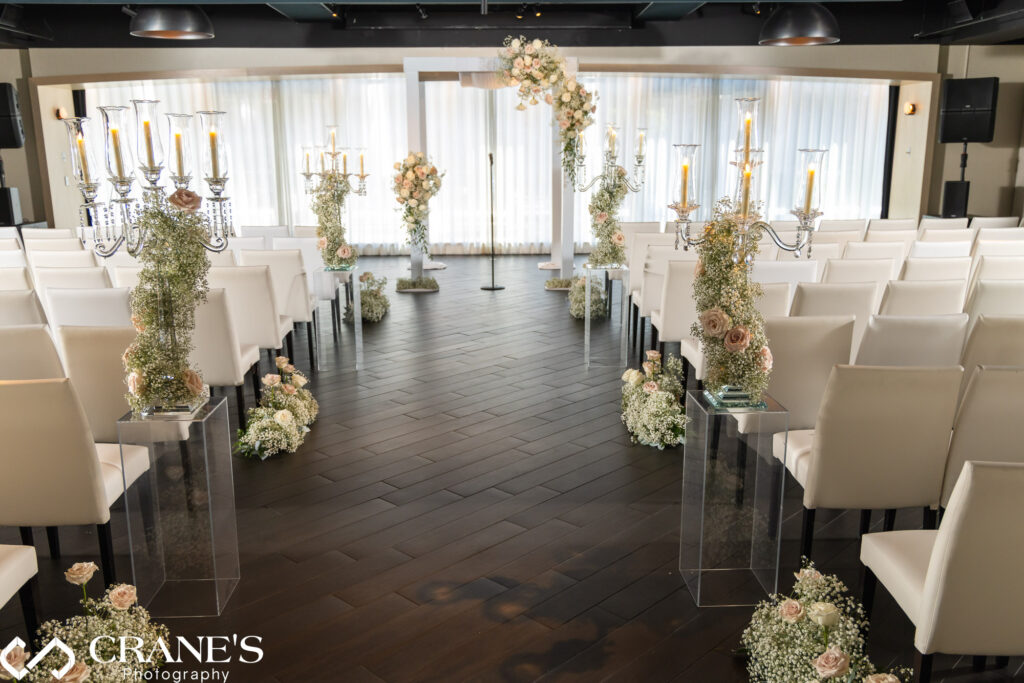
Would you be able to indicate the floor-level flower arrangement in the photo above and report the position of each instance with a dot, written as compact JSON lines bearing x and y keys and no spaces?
{"x":578,"y":299}
{"x":373,"y":302}
{"x":651,"y":402}
{"x":281,"y":421}
{"x":815,"y":634}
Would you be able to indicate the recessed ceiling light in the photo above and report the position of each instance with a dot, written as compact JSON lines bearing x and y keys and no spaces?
{"x":800,"y":24}
{"x":172,"y":22}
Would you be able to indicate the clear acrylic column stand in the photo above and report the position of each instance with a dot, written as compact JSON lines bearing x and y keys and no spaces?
{"x":623,"y":281}
{"x":330,"y":280}
{"x":731,"y":501}
{"x":181,"y":513}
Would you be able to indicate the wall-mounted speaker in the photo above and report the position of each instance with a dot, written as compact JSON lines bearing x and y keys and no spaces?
{"x":968,"y":111}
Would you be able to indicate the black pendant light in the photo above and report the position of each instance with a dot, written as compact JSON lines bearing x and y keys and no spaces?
{"x":172,"y":22}
{"x":799,"y":23}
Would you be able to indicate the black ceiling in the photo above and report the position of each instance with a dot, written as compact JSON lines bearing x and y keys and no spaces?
{"x":372,"y":23}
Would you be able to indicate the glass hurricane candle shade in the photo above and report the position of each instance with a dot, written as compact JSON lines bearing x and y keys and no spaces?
{"x":333,"y":142}
{"x":686,"y":155}
{"x":179,"y":144}
{"x":213,"y":148}
{"x":613,"y":140}
{"x":118,"y":152}
{"x":748,"y":135}
{"x":149,"y":148}
{"x":640,"y":146}
{"x":83,"y":167}
{"x":807,"y":185}
{"x":747,"y":183}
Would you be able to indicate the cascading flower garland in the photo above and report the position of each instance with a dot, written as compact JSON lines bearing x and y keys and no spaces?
{"x":537,"y":68}
{"x":328,"y":202}
{"x":610,"y":248}
{"x":281,"y":421}
{"x":416,"y":181}
{"x":730,"y":328}
{"x":172,"y":283}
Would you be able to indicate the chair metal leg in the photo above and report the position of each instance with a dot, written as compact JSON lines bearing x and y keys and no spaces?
{"x":26,"y":595}
{"x":256,"y":391}
{"x":889,"y":522}
{"x":312,"y":348}
{"x":865,"y":521}
{"x":106,"y":540}
{"x":868,"y":595}
{"x":26,"y":536}
{"x":1002,"y":662}
{"x":807,"y":534}
{"x":654,"y":337}
{"x":922,"y":667}
{"x":240,"y":400}
{"x":289,"y":339}
{"x":978,"y":663}
{"x":53,"y":540}
{"x":686,"y":376}
{"x":661,"y":348}
{"x":643,"y":329}
{"x":931,"y":519}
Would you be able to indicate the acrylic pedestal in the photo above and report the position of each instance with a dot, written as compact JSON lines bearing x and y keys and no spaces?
{"x":181,"y":513}
{"x":329,"y":281}
{"x":590,"y":358}
{"x":731,"y":501}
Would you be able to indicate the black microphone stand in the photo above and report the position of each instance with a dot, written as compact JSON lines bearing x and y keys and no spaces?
{"x":492,"y":287}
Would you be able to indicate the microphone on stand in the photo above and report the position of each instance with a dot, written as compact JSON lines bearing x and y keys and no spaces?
{"x":492,"y":287}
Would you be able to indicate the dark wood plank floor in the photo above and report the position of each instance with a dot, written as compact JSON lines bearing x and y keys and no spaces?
{"x":469,"y":508}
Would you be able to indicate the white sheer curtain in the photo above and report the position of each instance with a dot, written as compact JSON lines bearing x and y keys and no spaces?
{"x":846,"y":116}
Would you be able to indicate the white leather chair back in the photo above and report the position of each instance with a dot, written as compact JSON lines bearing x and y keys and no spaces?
{"x":92,"y":357}
{"x":775,"y":299}
{"x":250,"y":295}
{"x":940,"y":249}
{"x":913,"y":341}
{"x":47,"y":233}
{"x":9,"y":244}
{"x":677,"y":306}
{"x":61,"y":259}
{"x":1001,"y":247}
{"x":288,"y":278}
{"x":56,"y":244}
{"x":904,"y":237}
{"x":839,"y":237}
{"x":14,"y":279}
{"x":651,"y":279}
{"x":923,"y":297}
{"x":216,"y":351}
{"x":63,"y":486}
{"x":971,"y":601}
{"x":20,"y":308}
{"x":943,"y":223}
{"x":34,"y":352}
{"x":93,"y":277}
{"x":988,"y":424}
{"x":993,"y":340}
{"x":631,"y":228}
{"x":983,"y":222}
{"x":267,"y":232}
{"x":126,"y":276}
{"x":898,"y":461}
{"x":788,"y":225}
{"x":119,"y":258}
{"x":793,"y":271}
{"x":107,"y":307}
{"x":860,"y":225}
{"x":805,"y":351}
{"x":996,"y":297}
{"x":895,"y":251}
{"x":947,"y":235}
{"x":856,"y":299}
{"x":1000,"y":234}
{"x":936,"y":269}
{"x":638,"y":254}
{"x":820,"y":251}
{"x":10,"y":233}
{"x":892,"y":224}
{"x":222,"y":258}
{"x":12,"y":259}
{"x":304,"y":231}
{"x":878,"y":271}
{"x":237,"y":244}
{"x":311,"y":259}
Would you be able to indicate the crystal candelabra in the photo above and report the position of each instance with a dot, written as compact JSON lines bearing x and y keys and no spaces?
{"x":109,"y":226}
{"x":332,"y":151}
{"x":749,"y":158}
{"x":611,"y":170}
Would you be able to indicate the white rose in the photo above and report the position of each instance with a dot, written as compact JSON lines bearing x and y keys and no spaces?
{"x":578,"y":114}
{"x":410,"y":175}
{"x":515,"y":44}
{"x":413,"y":203}
{"x":537,"y":44}
{"x":823,"y":614}
{"x":566,"y":97}
{"x":284,"y":418}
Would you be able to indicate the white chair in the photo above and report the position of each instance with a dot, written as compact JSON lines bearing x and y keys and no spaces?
{"x":775,"y":298}
{"x":20,"y":308}
{"x":996,"y":268}
{"x":55,"y":244}
{"x":14,"y":279}
{"x":856,"y":299}
{"x":860,"y":225}
{"x":936,"y":269}
{"x":250,"y":296}
{"x":820,"y":252}
{"x":9,"y":244}
{"x":11,"y":233}
{"x":877,"y":250}
{"x":36,"y":355}
{"x":940,"y":249}
{"x":222,"y":258}
{"x":997,"y":298}
{"x":923,"y":297}
{"x":638,"y":254}
{"x":988,"y":424}
{"x":12,"y":259}
{"x":943,"y":223}
{"x":217,"y":354}
{"x":948,"y":235}
{"x":904,"y":237}
{"x":68,"y":466}
{"x":93,"y":277}
{"x":877,"y":271}
{"x":304,"y":231}
{"x":997,"y":222}
{"x":1000,"y":234}
{"x":889,"y":224}
{"x":121,"y":257}
{"x":913,"y":341}
{"x":838,"y":237}
{"x":677,"y":312}
{"x":18,"y":569}
{"x":785,"y":225}
{"x":291,"y":289}
{"x":311,"y":259}
{"x":106,"y":307}
{"x":47,"y":233}
{"x":92,"y":357}
{"x":62,"y":259}
{"x":995,"y":341}
{"x":126,"y":276}
{"x":651,"y":282}
{"x":897,"y":462}
{"x":237,"y":244}
{"x":957,"y":585}
{"x":267,"y":232}
{"x":792,"y":272}
{"x":1002,"y":247}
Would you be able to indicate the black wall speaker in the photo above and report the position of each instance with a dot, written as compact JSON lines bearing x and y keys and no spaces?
{"x":954,"y":198}
{"x":10,"y":206}
{"x":12,"y":133}
{"x":968,"y":112}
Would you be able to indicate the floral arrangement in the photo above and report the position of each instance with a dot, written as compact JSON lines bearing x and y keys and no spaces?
{"x":104,"y":622}
{"x":416,"y":181}
{"x":556,"y":283}
{"x":651,"y":407}
{"x":172,"y":284}
{"x":328,"y":201}
{"x":373,"y":302}
{"x":407,"y":283}
{"x":604,"y":209}
{"x":537,"y":68}
{"x":281,"y":421}
{"x":578,"y":299}
{"x":729,"y":327}
{"x":817,"y":634}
